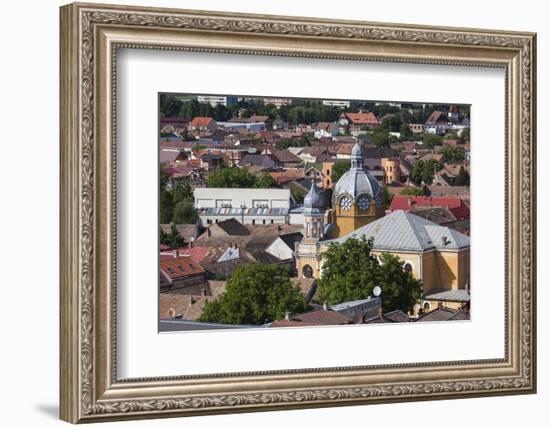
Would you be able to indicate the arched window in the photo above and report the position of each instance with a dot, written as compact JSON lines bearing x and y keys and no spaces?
{"x":307,"y":271}
{"x":408,"y":267}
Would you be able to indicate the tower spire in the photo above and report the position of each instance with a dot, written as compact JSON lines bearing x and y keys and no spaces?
{"x":356,"y":157}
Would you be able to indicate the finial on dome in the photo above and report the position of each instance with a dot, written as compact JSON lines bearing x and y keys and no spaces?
{"x":314,"y":198}
{"x":357,"y":157}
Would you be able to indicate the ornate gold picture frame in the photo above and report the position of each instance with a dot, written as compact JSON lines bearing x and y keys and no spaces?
{"x":90,"y":37}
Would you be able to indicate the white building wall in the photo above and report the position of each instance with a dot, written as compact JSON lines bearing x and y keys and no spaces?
{"x":237,"y":197}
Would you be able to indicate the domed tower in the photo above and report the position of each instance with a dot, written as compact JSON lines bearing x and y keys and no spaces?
{"x":314,"y":214}
{"x":358,"y":198}
{"x":307,"y":254}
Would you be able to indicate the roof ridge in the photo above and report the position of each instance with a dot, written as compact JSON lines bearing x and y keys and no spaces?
{"x":410,"y":221}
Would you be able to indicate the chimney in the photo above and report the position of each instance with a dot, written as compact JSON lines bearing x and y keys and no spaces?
{"x":171,"y":313}
{"x":176,"y":253}
{"x":409,"y":201}
{"x":288,"y":315}
{"x":325,"y":306}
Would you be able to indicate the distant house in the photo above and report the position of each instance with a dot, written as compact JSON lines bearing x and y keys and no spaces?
{"x":181,"y":272}
{"x":416,"y":127}
{"x":173,"y":124}
{"x":211,"y":161}
{"x":203,"y":124}
{"x":169,"y":157}
{"x":264,"y":161}
{"x":437,"y":123}
{"x":262,"y":119}
{"x":358,"y":121}
{"x":325,"y":129}
{"x":456,"y":205}
{"x":284,"y":158}
{"x":453,"y":113}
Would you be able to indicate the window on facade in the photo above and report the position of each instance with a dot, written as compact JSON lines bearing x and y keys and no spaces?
{"x":209,"y":221}
{"x":408,"y":267}
{"x":271,"y":221}
{"x":307,"y":271}
{"x":263,"y":221}
{"x":315,"y":224}
{"x":308,"y":229}
{"x":253,"y":222}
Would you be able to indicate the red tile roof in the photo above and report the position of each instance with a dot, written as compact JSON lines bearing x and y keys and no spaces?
{"x":197,"y":254}
{"x":201,"y":121}
{"x":362,"y":118}
{"x":455,"y":204}
{"x":179,"y":267}
{"x":436,"y":117}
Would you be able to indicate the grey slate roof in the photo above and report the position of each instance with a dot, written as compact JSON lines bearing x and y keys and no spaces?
{"x":314,"y":200}
{"x":452,"y":295}
{"x":404,"y":231}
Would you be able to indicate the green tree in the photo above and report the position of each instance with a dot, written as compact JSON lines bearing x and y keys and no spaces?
{"x":424,"y":171}
{"x":163,"y":236}
{"x":430,"y":141}
{"x":463,"y":177}
{"x":406,"y":132}
{"x":173,"y":239}
{"x":453,"y":154}
{"x":182,"y":191}
{"x":465,"y":135}
{"x":185,"y":136}
{"x":351,"y":272}
{"x":387,"y":197}
{"x":254,"y":294}
{"x":392,"y":123}
{"x":166,"y":206}
{"x":163,"y":179}
{"x":412,"y":191}
{"x":169,"y":106}
{"x":265,"y":181}
{"x":400,"y":290}
{"x":381,"y":138}
{"x":339,"y":169}
{"x":185,"y":212}
{"x":232,"y":177}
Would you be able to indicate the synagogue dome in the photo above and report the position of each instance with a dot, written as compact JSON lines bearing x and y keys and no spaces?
{"x":357,"y":180}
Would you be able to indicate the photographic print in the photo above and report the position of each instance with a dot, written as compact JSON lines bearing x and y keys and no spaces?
{"x":288,"y":212}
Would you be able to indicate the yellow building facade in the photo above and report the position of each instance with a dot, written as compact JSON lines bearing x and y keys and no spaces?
{"x":439,"y":256}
